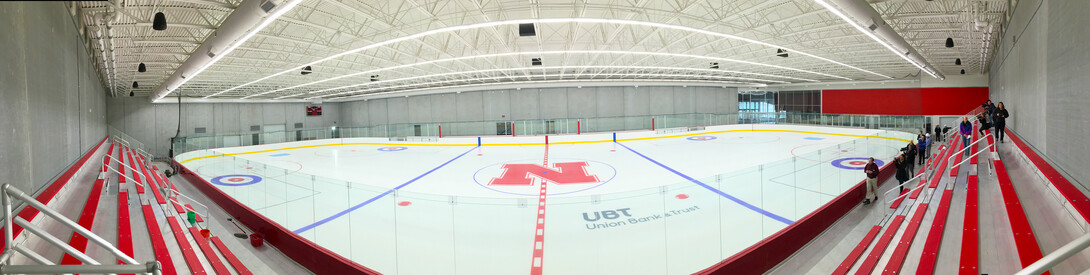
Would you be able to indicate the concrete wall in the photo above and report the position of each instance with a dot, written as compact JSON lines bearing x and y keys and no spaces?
{"x":155,"y":123}
{"x":1040,"y":73}
{"x":51,"y":98}
{"x":543,"y":103}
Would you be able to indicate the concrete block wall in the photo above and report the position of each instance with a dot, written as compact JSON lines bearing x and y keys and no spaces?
{"x":540,"y":103}
{"x":53,"y":103}
{"x":155,"y":123}
{"x":1040,"y":73}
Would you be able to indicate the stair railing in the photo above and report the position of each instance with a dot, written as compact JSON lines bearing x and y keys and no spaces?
{"x":8,"y":194}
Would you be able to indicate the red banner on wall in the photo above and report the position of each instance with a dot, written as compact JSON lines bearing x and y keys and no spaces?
{"x":908,"y":101}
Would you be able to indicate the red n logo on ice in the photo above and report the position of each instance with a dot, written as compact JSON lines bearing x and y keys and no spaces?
{"x":565,"y":173}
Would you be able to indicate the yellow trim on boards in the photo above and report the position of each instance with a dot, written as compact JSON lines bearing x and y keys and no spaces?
{"x":540,"y":143}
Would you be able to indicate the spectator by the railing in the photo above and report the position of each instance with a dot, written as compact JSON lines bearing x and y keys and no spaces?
{"x":989,"y":107}
{"x":966,"y":132}
{"x":927,"y":139}
{"x":921,"y":150}
{"x":872,"y":180}
{"x":1000,"y":118}
{"x":910,"y":154}
{"x":984,"y":125}
{"x":938,"y":133}
{"x":903,"y":169}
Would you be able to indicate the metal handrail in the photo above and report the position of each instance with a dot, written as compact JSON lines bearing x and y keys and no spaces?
{"x":1058,"y":256}
{"x":907,"y":193}
{"x":967,"y":147}
{"x":971,"y":156}
{"x":906,"y":182}
{"x":8,"y":193}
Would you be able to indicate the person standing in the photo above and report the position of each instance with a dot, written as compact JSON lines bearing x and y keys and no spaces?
{"x":921,"y":149}
{"x":966,"y":131}
{"x":872,"y":180}
{"x":938,"y":133}
{"x":902,"y":165}
{"x":911,"y":155}
{"x":929,"y":142}
{"x":988,"y":107}
{"x":1000,"y":119}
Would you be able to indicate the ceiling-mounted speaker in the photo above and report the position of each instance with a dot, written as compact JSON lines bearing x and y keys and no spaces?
{"x":957,"y":61}
{"x":374,"y":78}
{"x":527,"y":29}
{"x":535,"y":61}
{"x":962,"y":71}
{"x":134,"y":85}
{"x":714,"y":65}
{"x":141,"y":68}
{"x":306,"y":70}
{"x":160,"y":22}
{"x":781,"y":53}
{"x":949,"y":42}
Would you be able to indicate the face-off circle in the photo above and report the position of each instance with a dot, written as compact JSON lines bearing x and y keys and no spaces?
{"x":854,"y":163}
{"x":236,"y":180}
{"x":393,"y":149}
{"x":701,"y":138}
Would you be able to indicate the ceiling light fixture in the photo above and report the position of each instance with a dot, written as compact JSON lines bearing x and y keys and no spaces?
{"x":159,"y":23}
{"x":141,"y":68}
{"x":542,"y":21}
{"x":949,"y":42}
{"x":264,"y":23}
{"x":540,"y":54}
{"x":870,"y":34}
{"x":514,"y":69}
{"x":957,"y":61}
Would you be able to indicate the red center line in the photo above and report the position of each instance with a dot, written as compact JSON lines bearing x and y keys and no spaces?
{"x":539,"y":232}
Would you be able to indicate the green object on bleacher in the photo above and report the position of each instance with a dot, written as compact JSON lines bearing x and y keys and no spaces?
{"x":192,"y":217}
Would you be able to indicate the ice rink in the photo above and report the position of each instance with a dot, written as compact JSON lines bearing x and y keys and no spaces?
{"x":672,"y":201}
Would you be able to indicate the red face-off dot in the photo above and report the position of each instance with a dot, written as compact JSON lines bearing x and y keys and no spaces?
{"x":404,"y":203}
{"x":682,"y":196}
{"x":857,"y":162}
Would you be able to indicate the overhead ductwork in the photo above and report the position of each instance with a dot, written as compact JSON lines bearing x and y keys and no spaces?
{"x":862,"y":14}
{"x":247,"y":16}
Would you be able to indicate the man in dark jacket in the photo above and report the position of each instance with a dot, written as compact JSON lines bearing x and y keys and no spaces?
{"x":989,"y":108}
{"x":902,"y":165}
{"x":910,"y":155}
{"x":1000,"y":118}
{"x":938,"y":133}
{"x":872,"y":180}
{"x":966,"y":132}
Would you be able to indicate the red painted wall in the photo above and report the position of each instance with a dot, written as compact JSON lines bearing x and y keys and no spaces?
{"x":908,"y":101}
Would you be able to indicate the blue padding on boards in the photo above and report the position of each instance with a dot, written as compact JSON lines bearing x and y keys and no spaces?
{"x":478,"y":141}
{"x":614,"y":137}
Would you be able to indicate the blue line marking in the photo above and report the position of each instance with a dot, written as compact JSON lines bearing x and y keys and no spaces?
{"x":353,"y":208}
{"x":713,"y":189}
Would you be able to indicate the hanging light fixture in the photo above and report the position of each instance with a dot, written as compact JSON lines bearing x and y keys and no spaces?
{"x":949,"y":42}
{"x":134,"y":85}
{"x":142,"y":68}
{"x":781,"y":53}
{"x":962,"y":71}
{"x":306,"y":70}
{"x":131,"y":93}
{"x":957,"y":61}
{"x":159,"y":23}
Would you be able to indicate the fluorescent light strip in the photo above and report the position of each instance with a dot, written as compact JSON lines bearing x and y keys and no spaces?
{"x":268,"y":20}
{"x":872,"y":36}
{"x":550,"y":20}
{"x":495,"y":77}
{"x":528,"y":82}
{"x":520,"y":76}
{"x":531,"y":53}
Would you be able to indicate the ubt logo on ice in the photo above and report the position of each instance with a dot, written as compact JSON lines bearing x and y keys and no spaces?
{"x":563,"y":176}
